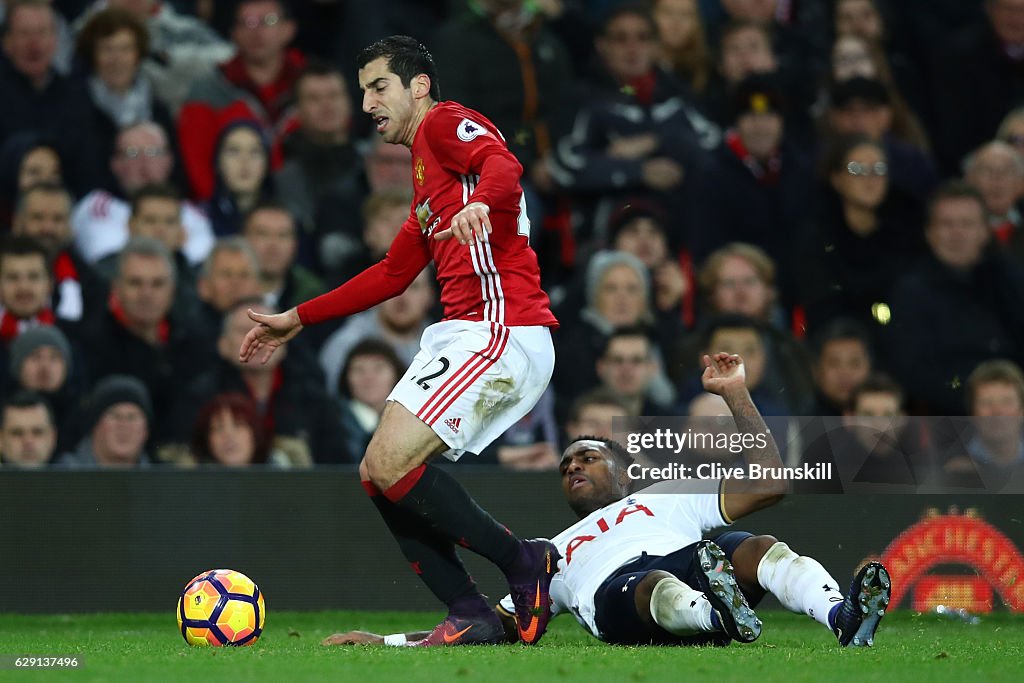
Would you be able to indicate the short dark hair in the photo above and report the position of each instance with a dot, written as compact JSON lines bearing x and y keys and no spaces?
{"x":317,"y":68}
{"x":406,"y":57}
{"x":628,"y":331}
{"x":953,"y":189}
{"x":636,"y":9}
{"x":23,"y":399}
{"x":601,"y":396}
{"x":728,"y":321}
{"x":268,"y":205}
{"x":45,"y":187}
{"x":877,"y":383}
{"x":154,"y":191}
{"x":105,"y":24}
{"x":23,"y":245}
{"x":837,"y":329}
{"x":734,"y":26}
{"x":369,"y":347}
{"x":622,"y":458}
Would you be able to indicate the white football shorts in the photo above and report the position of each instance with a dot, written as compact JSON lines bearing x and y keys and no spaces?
{"x":471,"y":381}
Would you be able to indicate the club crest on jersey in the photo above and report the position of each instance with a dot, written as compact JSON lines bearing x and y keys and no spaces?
{"x":469,"y":130}
{"x":419,"y":170}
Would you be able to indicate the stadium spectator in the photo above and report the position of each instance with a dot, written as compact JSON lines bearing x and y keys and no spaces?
{"x":853,"y":57}
{"x":26,"y":287}
{"x":756,"y":190}
{"x":592,"y":414}
{"x":271,"y":230}
{"x":736,"y":334}
{"x":256,"y":85}
{"x":229,"y":274}
{"x":291,"y":400}
{"x":864,"y":106}
{"x":321,"y":164}
{"x":861,"y":239}
{"x":25,"y":160}
{"x":683,"y":45}
{"x":639,"y":228}
{"x":618,"y":146}
{"x":886,"y":448}
{"x":399,"y":322}
{"x":628,"y":366}
{"x":976,"y":75}
{"x":383,"y":214}
{"x":1011,"y":129}
{"x":961,"y":305}
{"x":842,"y":351}
{"x":28,"y":431}
{"x":243,"y":176}
{"x":739,"y":279}
{"x":156,"y":212}
{"x":42,"y":362}
{"x":371,"y":371}
{"x":140,"y":335}
{"x":617,"y":294}
{"x":43,"y":213}
{"x":181,"y":47}
{"x":863,"y":19}
{"x":386,"y":170}
{"x":996,"y":170}
{"x":119,"y":420}
{"x":745,"y":50}
{"x":40,"y":100}
{"x":230,"y":432}
{"x":517,"y":77}
{"x":141,"y":156}
{"x":112,"y":44}
{"x":994,"y":449}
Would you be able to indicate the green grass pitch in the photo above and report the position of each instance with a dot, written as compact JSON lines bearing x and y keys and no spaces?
{"x":148,"y":647}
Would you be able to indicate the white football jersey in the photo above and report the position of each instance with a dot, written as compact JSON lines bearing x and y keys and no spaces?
{"x":593,"y":548}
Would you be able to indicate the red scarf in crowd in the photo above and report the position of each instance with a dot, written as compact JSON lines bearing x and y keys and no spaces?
{"x":163,"y":331}
{"x":267,"y":407}
{"x":11,"y":327}
{"x":643,"y":88}
{"x":766,"y":174}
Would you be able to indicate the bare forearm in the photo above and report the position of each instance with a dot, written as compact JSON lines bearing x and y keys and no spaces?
{"x":764,"y":452}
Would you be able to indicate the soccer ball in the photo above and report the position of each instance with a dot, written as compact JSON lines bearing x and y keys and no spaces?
{"x":221,"y":607}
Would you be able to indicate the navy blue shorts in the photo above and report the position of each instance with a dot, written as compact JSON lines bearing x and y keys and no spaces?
{"x":615,"y":606}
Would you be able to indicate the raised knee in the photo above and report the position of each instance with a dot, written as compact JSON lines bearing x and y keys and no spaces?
{"x":364,"y":471}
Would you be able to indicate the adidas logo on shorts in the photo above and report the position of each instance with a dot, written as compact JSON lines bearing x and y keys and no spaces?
{"x":453,"y":423}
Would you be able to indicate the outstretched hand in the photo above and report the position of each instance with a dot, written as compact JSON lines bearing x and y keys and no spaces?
{"x":468,"y":225}
{"x":272,"y":331}
{"x":723,"y":373}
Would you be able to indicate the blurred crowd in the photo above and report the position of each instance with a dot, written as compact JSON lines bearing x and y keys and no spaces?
{"x":830,"y":188}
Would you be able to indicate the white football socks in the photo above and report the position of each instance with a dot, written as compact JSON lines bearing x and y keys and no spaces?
{"x":679,"y":609}
{"x":800,"y":583}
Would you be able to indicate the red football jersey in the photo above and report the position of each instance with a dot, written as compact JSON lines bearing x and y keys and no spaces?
{"x":458,"y":157}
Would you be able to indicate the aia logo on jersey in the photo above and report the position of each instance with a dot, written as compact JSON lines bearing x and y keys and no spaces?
{"x":419,"y":171}
{"x":469,"y":130}
{"x":453,"y":423}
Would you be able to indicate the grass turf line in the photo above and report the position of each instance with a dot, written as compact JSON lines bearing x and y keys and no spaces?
{"x":148,"y":647}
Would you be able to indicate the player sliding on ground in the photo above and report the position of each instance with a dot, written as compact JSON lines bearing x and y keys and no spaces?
{"x":477,"y":372}
{"x":635,"y":569}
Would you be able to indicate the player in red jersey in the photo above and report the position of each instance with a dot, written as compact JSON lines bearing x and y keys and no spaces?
{"x":478,"y":371}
